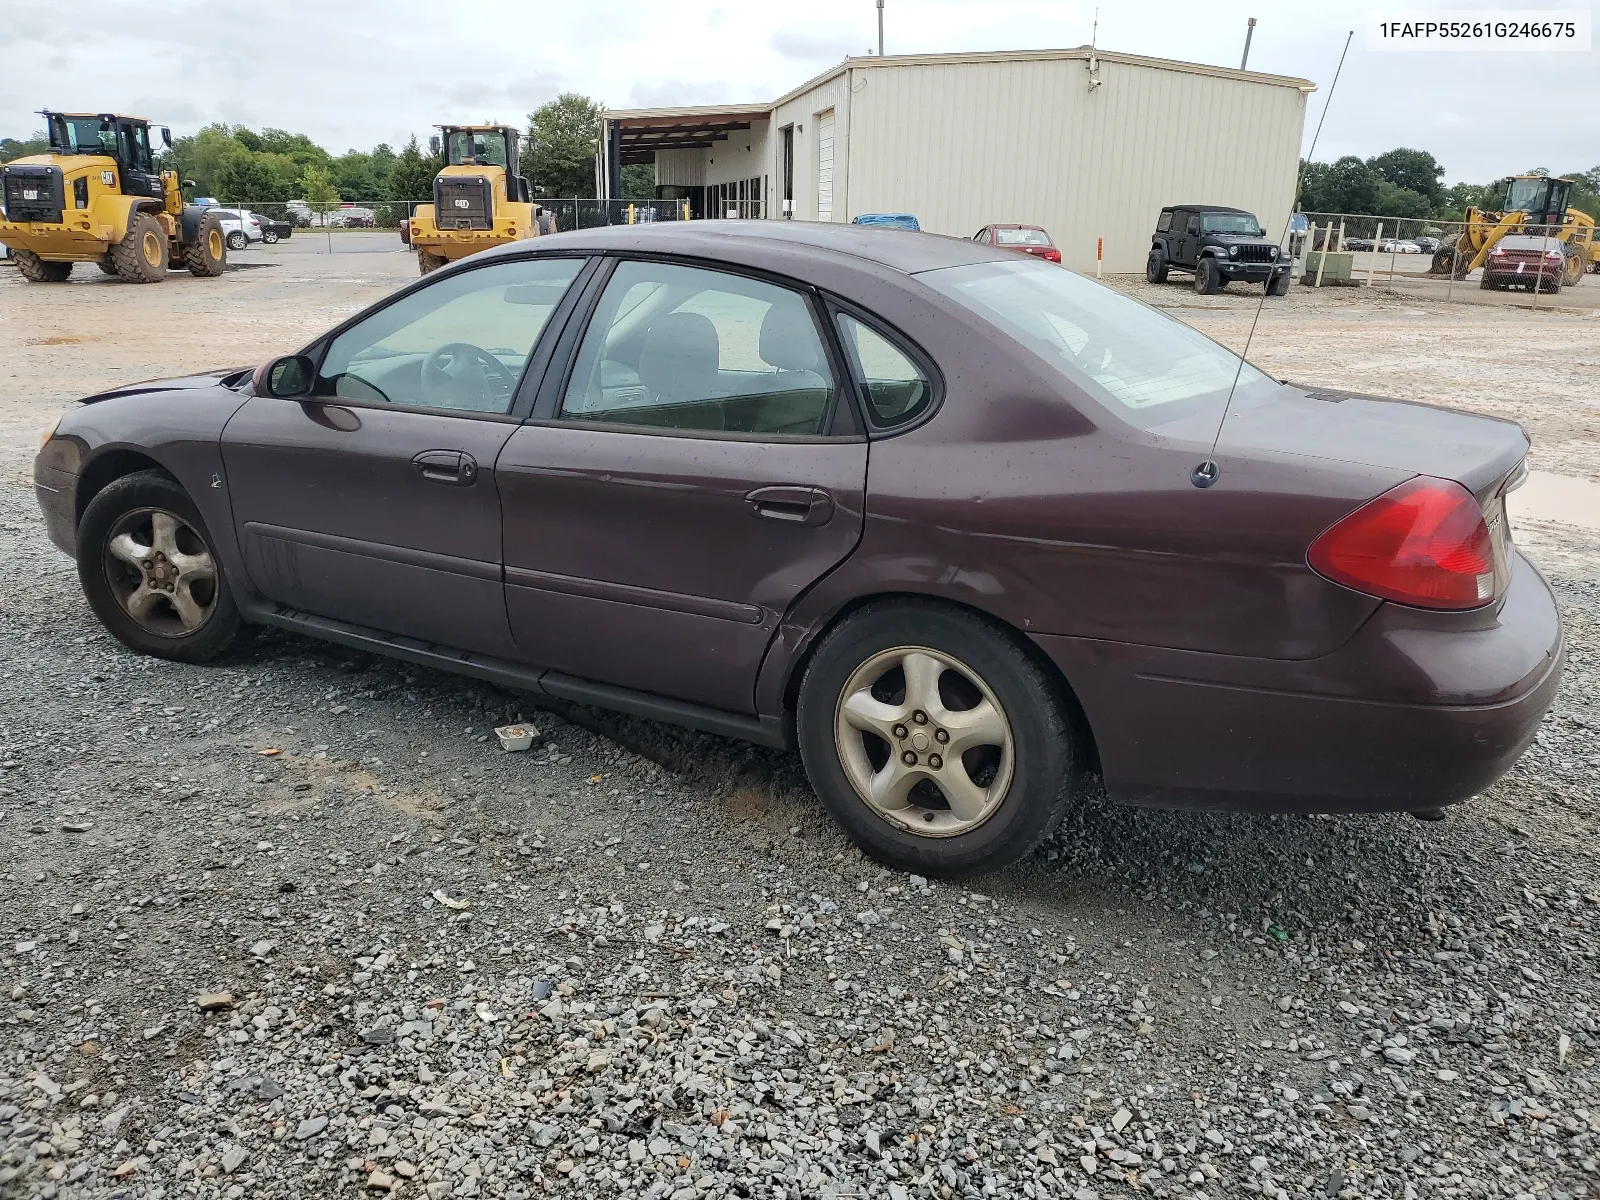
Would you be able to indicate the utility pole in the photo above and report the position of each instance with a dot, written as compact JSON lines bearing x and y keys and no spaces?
{"x":880,"y":28}
{"x":1249,"y":32}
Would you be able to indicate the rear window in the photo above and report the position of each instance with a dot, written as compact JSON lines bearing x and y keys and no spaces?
{"x":1022,"y":237}
{"x":1145,"y":366}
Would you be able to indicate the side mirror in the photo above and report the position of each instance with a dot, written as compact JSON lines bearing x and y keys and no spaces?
{"x":189,"y":183}
{"x":166,"y":137}
{"x":287,"y":378}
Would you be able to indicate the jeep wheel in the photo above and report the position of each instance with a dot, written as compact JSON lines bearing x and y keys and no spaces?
{"x":35,"y":270}
{"x":1207,"y":279}
{"x":1278,"y":285}
{"x":935,"y":739}
{"x":141,"y":256}
{"x":1155,"y":267}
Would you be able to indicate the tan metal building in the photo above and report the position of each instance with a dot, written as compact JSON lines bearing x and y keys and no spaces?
{"x":1088,"y":143}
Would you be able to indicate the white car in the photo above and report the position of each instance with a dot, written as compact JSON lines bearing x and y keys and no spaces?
{"x":240,"y":227}
{"x":1389,"y":247}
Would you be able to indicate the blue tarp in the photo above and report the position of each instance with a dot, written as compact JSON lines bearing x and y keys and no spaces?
{"x":889,"y":221}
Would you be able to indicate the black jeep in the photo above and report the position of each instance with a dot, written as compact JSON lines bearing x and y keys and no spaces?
{"x":1219,"y":245}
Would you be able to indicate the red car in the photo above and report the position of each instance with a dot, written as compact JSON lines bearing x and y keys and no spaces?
{"x":1526,"y":261}
{"x":1029,"y":239}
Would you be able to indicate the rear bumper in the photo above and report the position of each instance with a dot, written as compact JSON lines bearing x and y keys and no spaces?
{"x":1412,"y":713}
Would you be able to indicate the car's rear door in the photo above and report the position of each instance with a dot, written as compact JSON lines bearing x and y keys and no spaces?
{"x":697,"y":467}
{"x":374,"y":501}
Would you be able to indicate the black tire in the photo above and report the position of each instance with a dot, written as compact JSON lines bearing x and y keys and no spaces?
{"x":1155,"y":267}
{"x":141,"y":256}
{"x":145,"y":490}
{"x":270,"y":238}
{"x":1486,"y":284}
{"x":428,"y":263}
{"x":1046,"y":753}
{"x":1278,"y":285}
{"x":1207,"y":279}
{"x":107,"y":267}
{"x":207,"y":254}
{"x":237,"y":240}
{"x":35,"y":270}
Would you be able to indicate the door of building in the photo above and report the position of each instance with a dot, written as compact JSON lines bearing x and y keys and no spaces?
{"x":825,"y":166}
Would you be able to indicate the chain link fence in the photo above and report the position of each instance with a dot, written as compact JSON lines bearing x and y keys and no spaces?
{"x":388,"y":214}
{"x":1532,"y":264}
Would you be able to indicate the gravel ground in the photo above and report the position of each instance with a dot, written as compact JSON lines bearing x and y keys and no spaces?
{"x":294,"y":925}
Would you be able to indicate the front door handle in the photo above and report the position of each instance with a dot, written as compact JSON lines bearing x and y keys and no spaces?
{"x":454,"y":468}
{"x":791,"y":504}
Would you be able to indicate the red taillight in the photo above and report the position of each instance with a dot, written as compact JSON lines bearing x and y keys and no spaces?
{"x":1424,"y":543}
{"x":1053,"y":255}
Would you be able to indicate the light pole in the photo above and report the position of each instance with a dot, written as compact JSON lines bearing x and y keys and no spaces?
{"x":880,"y":28}
{"x":1249,"y":31}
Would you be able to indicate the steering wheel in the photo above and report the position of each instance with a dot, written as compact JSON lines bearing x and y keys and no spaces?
{"x":462,"y":373}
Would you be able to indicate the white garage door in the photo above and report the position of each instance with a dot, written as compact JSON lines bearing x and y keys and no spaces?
{"x":825,"y":166}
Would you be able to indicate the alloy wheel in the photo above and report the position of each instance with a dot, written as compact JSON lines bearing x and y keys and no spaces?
{"x":924,"y":741}
{"x":161,"y":572}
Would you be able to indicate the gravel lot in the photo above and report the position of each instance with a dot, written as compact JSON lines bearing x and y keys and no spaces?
{"x":294,"y":925}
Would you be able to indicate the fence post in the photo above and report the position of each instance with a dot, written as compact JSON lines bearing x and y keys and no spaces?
{"x":1455,"y":263}
{"x":1372,"y":263}
{"x":1322,"y":257}
{"x":1393,"y":254}
{"x":1538,"y":276}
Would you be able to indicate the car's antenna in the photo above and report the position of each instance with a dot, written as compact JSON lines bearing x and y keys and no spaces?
{"x":1207,"y":472}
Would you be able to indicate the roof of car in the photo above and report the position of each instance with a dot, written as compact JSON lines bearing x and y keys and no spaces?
{"x":889,"y":248}
{"x":1526,"y":241}
{"x":1208,"y":208}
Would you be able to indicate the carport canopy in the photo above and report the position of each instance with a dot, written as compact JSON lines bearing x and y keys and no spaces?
{"x":640,"y":133}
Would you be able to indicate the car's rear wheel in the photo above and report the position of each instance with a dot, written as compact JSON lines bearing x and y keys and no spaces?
{"x":150,"y":572}
{"x":935,"y":739}
{"x":270,"y":238}
{"x":1155,"y":267}
{"x":237,"y":240}
{"x":1206,"y":276}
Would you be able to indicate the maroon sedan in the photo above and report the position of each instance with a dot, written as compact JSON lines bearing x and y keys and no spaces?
{"x":926,"y":509}
{"x":1526,"y":261}
{"x":1025,"y":239}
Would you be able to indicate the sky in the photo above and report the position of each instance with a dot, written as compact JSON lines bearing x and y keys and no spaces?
{"x":353,"y":73}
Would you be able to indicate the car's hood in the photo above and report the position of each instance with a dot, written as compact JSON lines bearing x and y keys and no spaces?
{"x":182,"y":383}
{"x":1375,"y":431}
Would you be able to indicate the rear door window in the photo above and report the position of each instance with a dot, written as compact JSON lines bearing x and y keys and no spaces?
{"x":678,"y":347}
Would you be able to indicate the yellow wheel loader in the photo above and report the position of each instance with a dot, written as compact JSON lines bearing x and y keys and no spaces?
{"x":479,"y":200}
{"x":97,"y":197}
{"x":1531,"y":204}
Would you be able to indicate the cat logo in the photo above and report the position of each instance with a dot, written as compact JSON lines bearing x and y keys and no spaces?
{"x":108,"y":178}
{"x":463,"y":203}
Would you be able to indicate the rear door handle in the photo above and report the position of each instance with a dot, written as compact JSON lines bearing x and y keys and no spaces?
{"x":791,"y":504}
{"x":454,"y":468}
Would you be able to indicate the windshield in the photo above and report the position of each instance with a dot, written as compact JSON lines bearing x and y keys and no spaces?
{"x":82,"y":135}
{"x":1022,"y":237}
{"x":1230,"y":223}
{"x":1137,"y":361}
{"x":476,"y":148}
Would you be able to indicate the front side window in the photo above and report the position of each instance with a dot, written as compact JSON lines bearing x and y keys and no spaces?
{"x":1231,"y":223}
{"x":896,"y":389}
{"x":458,"y":344}
{"x":1139,"y":362}
{"x":674,"y":347}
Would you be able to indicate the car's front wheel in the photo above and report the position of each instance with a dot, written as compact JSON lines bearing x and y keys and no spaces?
{"x":1207,"y":278}
{"x":938,"y":743}
{"x":1155,"y":267}
{"x":150,"y":571}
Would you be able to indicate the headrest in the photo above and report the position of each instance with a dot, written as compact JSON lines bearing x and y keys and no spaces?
{"x":789,"y":339}
{"x":680,"y":357}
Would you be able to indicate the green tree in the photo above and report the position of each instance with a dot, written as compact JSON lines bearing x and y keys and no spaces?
{"x":1345,"y":186}
{"x":559,"y":155}
{"x":638,"y":181}
{"x":321,"y":196}
{"x":411,"y":175}
{"x":245,"y":178}
{"x":1414,"y":170}
{"x":11,"y":148}
{"x":1395,"y":201}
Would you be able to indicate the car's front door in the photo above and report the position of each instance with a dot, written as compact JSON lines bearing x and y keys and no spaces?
{"x":696,"y":472}
{"x":373,"y":501}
